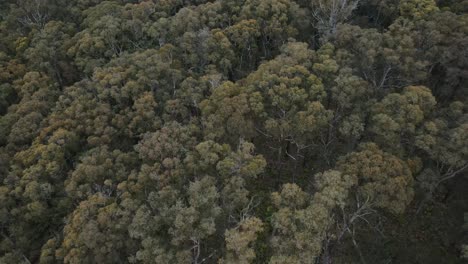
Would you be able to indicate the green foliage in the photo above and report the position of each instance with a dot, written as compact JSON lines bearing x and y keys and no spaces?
{"x":383,"y":178}
{"x":397,"y":117}
{"x":239,"y":240}
{"x":302,"y":222}
{"x":232,"y":131}
{"x":417,"y":9}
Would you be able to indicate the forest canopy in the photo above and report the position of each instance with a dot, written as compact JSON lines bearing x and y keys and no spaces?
{"x":233,"y":131}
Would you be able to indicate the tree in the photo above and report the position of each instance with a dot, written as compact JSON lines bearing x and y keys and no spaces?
{"x":386,"y":60}
{"x":329,"y":13}
{"x":237,"y":169}
{"x":383,"y":178}
{"x":275,"y":18}
{"x":444,"y":141}
{"x":239,"y":241}
{"x":244,"y":35}
{"x":301,"y":222}
{"x":224,"y":112}
{"x":96,"y":232}
{"x":23,"y":122}
{"x":417,"y":9}
{"x":441,"y":48}
{"x":232,"y":131}
{"x":100,"y":171}
{"x":397,"y":126}
{"x":185,"y":225}
{"x":47,"y":52}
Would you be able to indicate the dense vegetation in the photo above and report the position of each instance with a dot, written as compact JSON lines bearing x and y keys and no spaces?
{"x":233,"y":131}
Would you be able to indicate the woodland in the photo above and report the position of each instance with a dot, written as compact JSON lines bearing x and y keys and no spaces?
{"x":234,"y":131}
